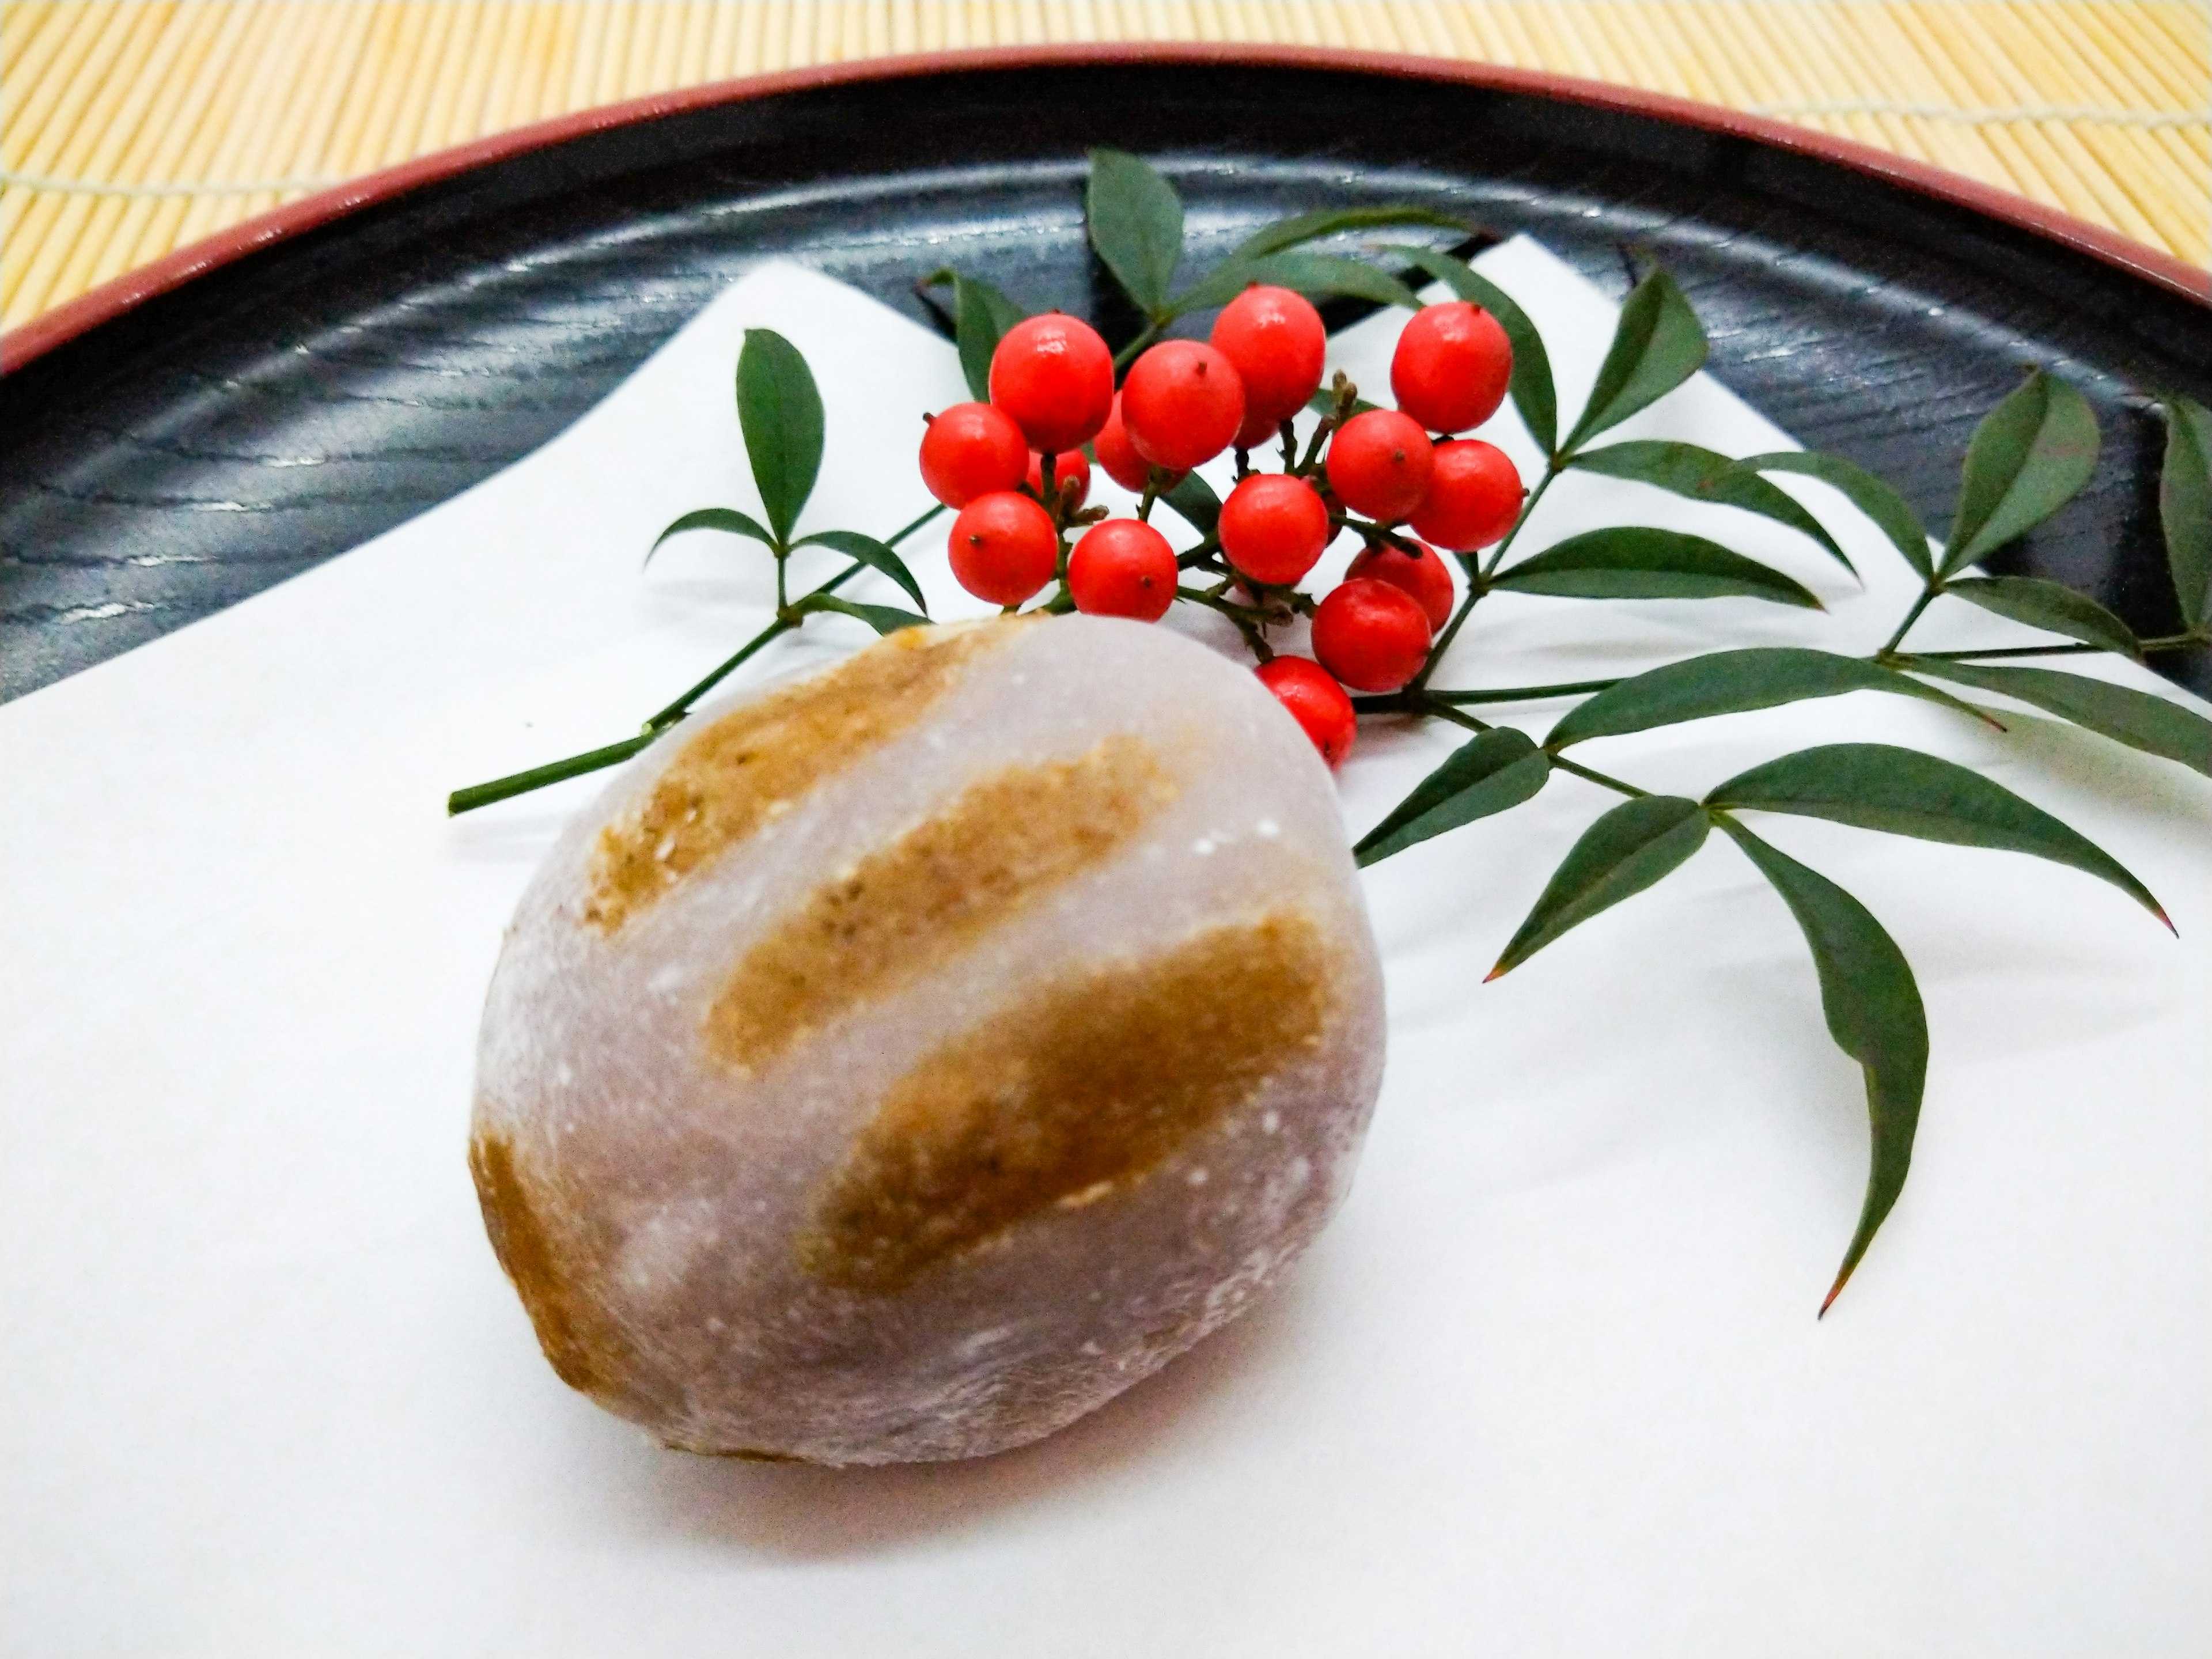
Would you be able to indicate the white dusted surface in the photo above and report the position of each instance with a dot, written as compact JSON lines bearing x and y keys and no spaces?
{"x":1551,"y":1384}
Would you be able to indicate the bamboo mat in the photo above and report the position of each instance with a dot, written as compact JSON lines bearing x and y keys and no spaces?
{"x":131,"y":127}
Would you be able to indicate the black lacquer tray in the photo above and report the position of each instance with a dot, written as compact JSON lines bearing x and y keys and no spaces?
{"x":266,"y":401}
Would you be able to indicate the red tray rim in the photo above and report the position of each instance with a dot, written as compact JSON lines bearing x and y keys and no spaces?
{"x":42,"y":334}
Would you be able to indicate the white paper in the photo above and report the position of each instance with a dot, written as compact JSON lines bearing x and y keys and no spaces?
{"x":1551,"y":1384}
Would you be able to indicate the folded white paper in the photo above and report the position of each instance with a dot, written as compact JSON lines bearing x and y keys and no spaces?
{"x":1552,"y":1384}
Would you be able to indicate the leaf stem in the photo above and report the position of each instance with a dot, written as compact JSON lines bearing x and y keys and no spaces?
{"x":1926,"y":596}
{"x":1127,"y":354}
{"x":1522,"y":693}
{"x":522,"y":783}
{"x":1591,"y":775}
{"x":1478,"y":579}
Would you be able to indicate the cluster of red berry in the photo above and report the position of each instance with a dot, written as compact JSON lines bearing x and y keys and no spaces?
{"x":1015,"y":469}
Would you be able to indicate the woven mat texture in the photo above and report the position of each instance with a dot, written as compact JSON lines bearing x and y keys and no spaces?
{"x":131,"y":127}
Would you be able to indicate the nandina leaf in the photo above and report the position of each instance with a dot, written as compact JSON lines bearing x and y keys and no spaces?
{"x":1633,"y":561}
{"x":725,"y":518}
{"x":867,"y":551}
{"x":1533,"y":394}
{"x":981,"y":315}
{"x":1881,"y":504}
{"x":2052,"y":606}
{"x":1705,"y":475}
{"x":1329,"y":222}
{"x":884,"y":618}
{"x":2026,"y":460}
{"x":2184,"y":506}
{"x":1617,"y":857}
{"x":1877,"y":785}
{"x":1732,"y":682}
{"x":1657,"y":344}
{"x":1874,"y":1014}
{"x":2136,"y":718}
{"x":1194,"y":501}
{"x":781,"y":413}
{"x":1306,"y":273}
{"x":1136,"y":224}
{"x":1491,"y":772}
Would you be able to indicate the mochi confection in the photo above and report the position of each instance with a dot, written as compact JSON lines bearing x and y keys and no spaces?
{"x":897,"y":1064}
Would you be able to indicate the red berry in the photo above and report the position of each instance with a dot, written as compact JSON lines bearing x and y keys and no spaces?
{"x":971,"y":450}
{"x":1316,"y":702}
{"x":1122,"y":568}
{"x":1372,"y":636}
{"x":1003,"y":547}
{"x":1276,"y":340}
{"x":1379,"y":464}
{"x":1273,"y":526}
{"x":1256,"y":430}
{"x":1181,"y":404}
{"x":1424,"y":575}
{"x":1054,"y":376}
{"x":1475,"y":495}
{"x":1451,"y":366}
{"x":1119,"y":456}
{"x":1068,"y":463}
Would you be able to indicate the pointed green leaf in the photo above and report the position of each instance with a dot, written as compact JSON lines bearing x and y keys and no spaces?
{"x":725,"y":518}
{"x":1705,"y":475}
{"x":884,"y":618}
{"x":1487,"y":775}
{"x":2184,"y":506}
{"x":2137,"y":719}
{"x":1136,"y":224}
{"x":781,"y":413}
{"x":1329,"y":221}
{"x":1631,"y":561}
{"x":1306,"y":273}
{"x":1533,"y":394}
{"x":2024,"y":461}
{"x":1657,"y":344}
{"x":1877,"y":785}
{"x":1194,"y":503}
{"x":980,"y":316}
{"x":1874,"y":1014}
{"x":1731,"y":683}
{"x":2052,"y":606}
{"x":868,"y":551}
{"x":1883,"y":505}
{"x":1617,"y":857}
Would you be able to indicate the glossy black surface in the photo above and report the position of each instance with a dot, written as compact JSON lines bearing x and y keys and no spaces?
{"x":291,"y":405}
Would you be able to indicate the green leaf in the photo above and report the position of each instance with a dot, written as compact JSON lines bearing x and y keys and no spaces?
{"x":1656,"y":346}
{"x":2024,"y":461}
{"x":1883,"y":505}
{"x":1732,"y":682}
{"x":1877,"y":785}
{"x":980,"y":316}
{"x":884,"y":618}
{"x":1136,"y":225}
{"x":1617,"y":857}
{"x":1533,"y":395}
{"x":2052,"y":606}
{"x":1705,"y":475}
{"x":1491,"y":773}
{"x":1306,"y":273}
{"x":725,"y":518}
{"x":2136,"y":718}
{"x":867,"y":551}
{"x":1631,"y":561}
{"x":781,"y":413}
{"x":2184,"y":506}
{"x":1329,"y":221}
{"x":1874,"y":1014}
{"x":1194,"y":503}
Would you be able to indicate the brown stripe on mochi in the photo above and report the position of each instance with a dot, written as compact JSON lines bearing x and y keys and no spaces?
{"x":1071,"y":1092}
{"x":907,"y":907}
{"x":584,"y":1352}
{"x":756,"y":762}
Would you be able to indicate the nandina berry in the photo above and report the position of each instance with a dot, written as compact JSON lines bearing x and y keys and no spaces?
{"x":1379,"y":464}
{"x":1276,"y":340}
{"x":1003,"y":547}
{"x":1475,"y":495}
{"x":1451,"y":366}
{"x":1316,"y":702}
{"x":1068,"y":463}
{"x":1256,"y":430}
{"x":971,"y":450}
{"x":1423,"y":575}
{"x":1056,"y":377}
{"x":1122,"y":568}
{"x":1119,"y":456}
{"x":1273,"y":527}
{"x":1181,"y":404}
{"x":1372,"y":636}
